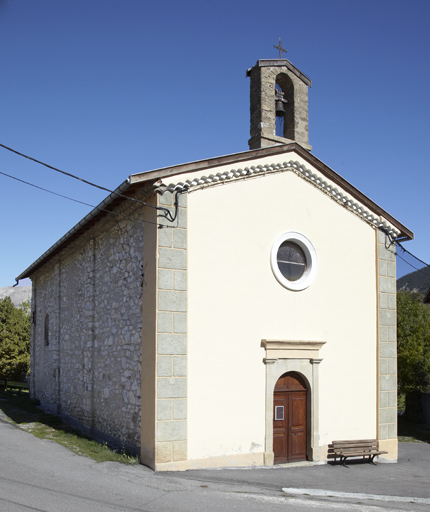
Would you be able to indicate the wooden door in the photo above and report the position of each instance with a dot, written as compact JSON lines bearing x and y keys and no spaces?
{"x":289,"y":419}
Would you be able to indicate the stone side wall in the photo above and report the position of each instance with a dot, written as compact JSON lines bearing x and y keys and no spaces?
{"x":387,"y":339}
{"x":171,"y":373}
{"x":92,"y":291}
{"x":45,"y":359}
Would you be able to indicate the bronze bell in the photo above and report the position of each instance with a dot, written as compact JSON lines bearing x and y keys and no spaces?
{"x":279,"y":108}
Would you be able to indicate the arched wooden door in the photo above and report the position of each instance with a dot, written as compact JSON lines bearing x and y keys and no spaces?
{"x":289,"y":419}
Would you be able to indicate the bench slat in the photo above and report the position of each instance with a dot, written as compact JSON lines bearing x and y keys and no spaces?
{"x":347,"y":441}
{"x":356,"y":448}
{"x":360,"y":453}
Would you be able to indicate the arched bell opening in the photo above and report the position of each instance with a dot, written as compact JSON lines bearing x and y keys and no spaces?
{"x":284,"y":107}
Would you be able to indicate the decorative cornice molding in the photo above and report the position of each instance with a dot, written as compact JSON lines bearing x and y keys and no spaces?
{"x":292,"y":345}
{"x":292,"y":349}
{"x":316,"y":179}
{"x":267,"y":360}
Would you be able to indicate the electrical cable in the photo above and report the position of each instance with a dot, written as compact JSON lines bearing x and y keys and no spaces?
{"x":167,"y":213}
{"x":408,"y":263}
{"x":71,"y":198}
{"x":398,"y":244}
{"x":46,"y":190}
{"x":413,"y":255}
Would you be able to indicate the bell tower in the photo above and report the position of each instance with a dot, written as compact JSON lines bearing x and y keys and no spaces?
{"x":279,"y":103}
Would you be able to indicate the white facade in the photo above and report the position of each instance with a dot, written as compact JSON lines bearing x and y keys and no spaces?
{"x":232,"y":289}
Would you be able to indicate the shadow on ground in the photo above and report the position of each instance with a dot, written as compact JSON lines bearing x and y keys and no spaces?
{"x":22,"y":410}
{"x":412,"y":432}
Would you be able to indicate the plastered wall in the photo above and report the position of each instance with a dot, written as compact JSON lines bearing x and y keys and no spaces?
{"x":234,"y":301}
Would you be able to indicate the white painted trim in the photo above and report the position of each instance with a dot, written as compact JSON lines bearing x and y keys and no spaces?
{"x":311,"y":259}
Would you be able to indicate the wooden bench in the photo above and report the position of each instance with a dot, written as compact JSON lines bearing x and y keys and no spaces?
{"x":359,"y":448}
{"x":7,"y":384}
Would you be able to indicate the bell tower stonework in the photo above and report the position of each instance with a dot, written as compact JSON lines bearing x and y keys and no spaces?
{"x":279,"y":92}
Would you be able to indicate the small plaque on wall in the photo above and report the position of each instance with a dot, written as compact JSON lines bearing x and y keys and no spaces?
{"x":279,"y":412}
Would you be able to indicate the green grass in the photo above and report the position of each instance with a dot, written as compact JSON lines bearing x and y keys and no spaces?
{"x":18,"y":409}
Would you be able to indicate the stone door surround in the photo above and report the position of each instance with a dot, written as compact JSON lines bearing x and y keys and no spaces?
{"x":284,"y":356}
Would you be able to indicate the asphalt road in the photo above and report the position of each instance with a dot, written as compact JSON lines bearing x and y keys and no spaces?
{"x":410,"y":477}
{"x":40,"y":475}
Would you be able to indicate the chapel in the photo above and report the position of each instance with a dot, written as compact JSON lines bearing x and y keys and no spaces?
{"x":233,"y":311}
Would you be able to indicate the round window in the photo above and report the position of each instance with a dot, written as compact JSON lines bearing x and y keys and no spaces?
{"x":291,"y":260}
{"x":294,"y":261}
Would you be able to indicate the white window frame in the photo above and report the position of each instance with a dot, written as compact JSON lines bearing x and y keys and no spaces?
{"x":311,"y":260}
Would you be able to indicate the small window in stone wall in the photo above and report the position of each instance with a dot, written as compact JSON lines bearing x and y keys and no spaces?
{"x":46,"y":335}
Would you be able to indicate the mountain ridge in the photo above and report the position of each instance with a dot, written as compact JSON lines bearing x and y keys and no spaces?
{"x":17,"y":294}
{"x":417,"y":281}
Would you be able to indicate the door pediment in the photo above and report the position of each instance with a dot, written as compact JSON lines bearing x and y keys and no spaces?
{"x":292,"y":349}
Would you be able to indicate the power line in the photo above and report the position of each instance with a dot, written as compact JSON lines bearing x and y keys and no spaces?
{"x":414,"y":263}
{"x":46,"y":190}
{"x":167,"y":213}
{"x":408,"y":263}
{"x":70,"y":198}
{"x":413,"y":255}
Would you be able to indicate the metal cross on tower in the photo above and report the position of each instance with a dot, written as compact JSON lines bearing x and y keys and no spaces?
{"x":280,"y":48}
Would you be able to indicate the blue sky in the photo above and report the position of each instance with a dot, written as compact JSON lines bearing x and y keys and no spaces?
{"x":107,"y":88}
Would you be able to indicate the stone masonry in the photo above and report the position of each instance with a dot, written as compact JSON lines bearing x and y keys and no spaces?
{"x":171,"y":358}
{"x":91,"y":294}
{"x":265,"y":75}
{"x":387,"y":312}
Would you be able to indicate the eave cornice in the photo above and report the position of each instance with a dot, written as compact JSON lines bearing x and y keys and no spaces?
{"x":246,"y":156}
{"x":364,"y":210}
